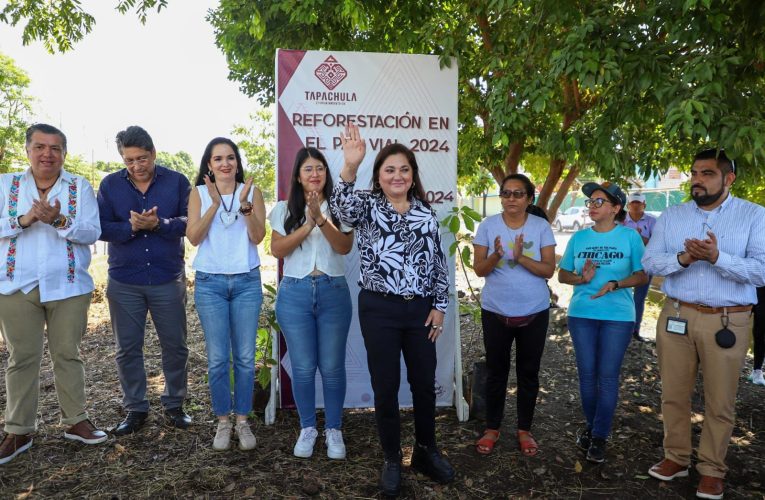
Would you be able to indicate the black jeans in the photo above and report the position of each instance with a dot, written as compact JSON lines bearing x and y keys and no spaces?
{"x":758,"y":329}
{"x":529,"y":346}
{"x":392,"y":325}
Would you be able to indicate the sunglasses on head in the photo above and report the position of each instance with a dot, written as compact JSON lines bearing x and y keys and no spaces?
{"x":596,"y":202}
{"x":517,"y":194}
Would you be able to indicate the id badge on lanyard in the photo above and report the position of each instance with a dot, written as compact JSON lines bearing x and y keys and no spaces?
{"x":677,"y":325}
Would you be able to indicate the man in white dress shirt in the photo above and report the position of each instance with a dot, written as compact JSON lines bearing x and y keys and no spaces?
{"x":711,"y":252}
{"x":48,"y":219}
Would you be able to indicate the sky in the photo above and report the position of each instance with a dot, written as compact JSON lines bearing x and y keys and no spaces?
{"x":166,"y":76}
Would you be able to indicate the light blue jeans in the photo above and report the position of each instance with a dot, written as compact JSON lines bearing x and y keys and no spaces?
{"x":314,"y":314}
{"x":600,"y":346}
{"x":229,"y":307}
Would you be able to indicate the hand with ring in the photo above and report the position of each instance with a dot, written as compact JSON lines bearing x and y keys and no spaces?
{"x":435,"y":321}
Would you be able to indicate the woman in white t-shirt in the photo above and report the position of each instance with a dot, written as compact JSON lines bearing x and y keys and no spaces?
{"x":313,"y":305}
{"x":515,"y":252}
{"x":227,"y":220}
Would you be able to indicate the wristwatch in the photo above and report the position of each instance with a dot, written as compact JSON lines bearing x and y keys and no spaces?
{"x":58,"y":222}
{"x":245,"y":208}
{"x":678,"y":258}
{"x":616,"y":284}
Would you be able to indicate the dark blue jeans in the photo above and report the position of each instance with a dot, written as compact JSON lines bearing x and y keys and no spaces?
{"x":600,"y":346}
{"x":641,"y":292}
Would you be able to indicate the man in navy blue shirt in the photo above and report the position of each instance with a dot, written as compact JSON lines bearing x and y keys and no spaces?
{"x":143,"y":218}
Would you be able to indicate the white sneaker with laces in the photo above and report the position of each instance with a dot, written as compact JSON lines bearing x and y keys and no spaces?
{"x":757,"y":378}
{"x":333,"y":438}
{"x":304,"y":446}
{"x":222,"y":439}
{"x":247,"y":439}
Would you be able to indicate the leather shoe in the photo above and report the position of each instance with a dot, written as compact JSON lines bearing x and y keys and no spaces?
{"x":177,"y":418}
{"x":85,"y":432}
{"x":430,"y":462}
{"x":12,"y":445}
{"x":133,"y":421}
{"x":710,"y":487}
{"x":667,"y":470}
{"x":390,"y":477}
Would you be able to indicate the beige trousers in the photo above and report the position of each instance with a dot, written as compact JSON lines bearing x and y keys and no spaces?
{"x":23,"y":319}
{"x":680,"y":357}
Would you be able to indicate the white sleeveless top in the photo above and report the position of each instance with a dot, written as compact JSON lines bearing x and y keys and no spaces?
{"x":225,"y":250}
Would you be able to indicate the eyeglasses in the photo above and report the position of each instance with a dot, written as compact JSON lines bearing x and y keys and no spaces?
{"x":309,"y":169}
{"x":141,"y":160}
{"x":517,"y":194}
{"x":596,"y":202}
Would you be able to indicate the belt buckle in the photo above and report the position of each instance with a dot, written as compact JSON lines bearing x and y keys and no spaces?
{"x":408,"y":296}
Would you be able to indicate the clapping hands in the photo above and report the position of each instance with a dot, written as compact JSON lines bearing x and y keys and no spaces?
{"x":147,"y":220}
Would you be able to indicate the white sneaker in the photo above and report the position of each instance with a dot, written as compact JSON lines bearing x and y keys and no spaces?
{"x":222,"y":439}
{"x":246,"y":437}
{"x":304,"y":445}
{"x":333,"y":438}
{"x":757,"y":378}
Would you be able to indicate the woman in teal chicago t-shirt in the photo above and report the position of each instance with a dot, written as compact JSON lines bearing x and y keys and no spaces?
{"x":603,"y":263}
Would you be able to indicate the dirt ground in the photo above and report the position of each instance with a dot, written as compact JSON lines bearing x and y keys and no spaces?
{"x":162,"y":462}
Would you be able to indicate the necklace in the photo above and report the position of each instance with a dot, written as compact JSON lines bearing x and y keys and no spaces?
{"x":45,"y":189}
{"x":227,"y":216}
{"x":511,"y":238}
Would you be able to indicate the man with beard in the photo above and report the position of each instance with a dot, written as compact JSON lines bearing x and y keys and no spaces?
{"x":711,"y":252}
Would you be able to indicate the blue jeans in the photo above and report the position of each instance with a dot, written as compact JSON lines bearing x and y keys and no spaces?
{"x":314,"y":314}
{"x":600,"y":346}
{"x":641,"y":292}
{"x":229,"y":307}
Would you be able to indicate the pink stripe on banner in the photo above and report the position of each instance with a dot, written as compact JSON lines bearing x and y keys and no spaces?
{"x":288,"y":62}
{"x":289,"y":143}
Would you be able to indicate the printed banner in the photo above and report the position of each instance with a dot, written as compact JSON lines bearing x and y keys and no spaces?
{"x":401,"y":98}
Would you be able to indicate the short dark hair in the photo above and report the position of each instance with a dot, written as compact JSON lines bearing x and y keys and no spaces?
{"x":725,"y":164}
{"x":416,"y":191}
{"x":134,"y":137}
{"x":44,"y":128}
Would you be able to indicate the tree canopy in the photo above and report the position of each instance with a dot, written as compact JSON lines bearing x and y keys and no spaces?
{"x":59,"y":24}
{"x":621,"y":88}
{"x":15,"y":106}
{"x":180,"y":162}
{"x":257,"y":143}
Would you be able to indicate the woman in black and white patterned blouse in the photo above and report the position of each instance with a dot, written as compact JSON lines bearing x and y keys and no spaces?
{"x":403,"y":298}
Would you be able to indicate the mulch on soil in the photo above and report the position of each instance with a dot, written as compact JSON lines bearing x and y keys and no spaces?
{"x":161,"y":461}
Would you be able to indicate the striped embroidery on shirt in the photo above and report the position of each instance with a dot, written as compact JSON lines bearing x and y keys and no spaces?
{"x":72,"y":208}
{"x":13,"y":205}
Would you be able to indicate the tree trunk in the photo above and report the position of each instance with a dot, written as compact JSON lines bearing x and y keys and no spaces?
{"x":563,"y":190}
{"x":553,"y":176}
{"x":510,"y":165}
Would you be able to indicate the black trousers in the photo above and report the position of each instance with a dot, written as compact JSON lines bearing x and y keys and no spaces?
{"x":758,"y":329}
{"x":529,"y":346}
{"x":391,"y":325}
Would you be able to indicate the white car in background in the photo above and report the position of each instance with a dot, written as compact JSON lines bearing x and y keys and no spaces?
{"x":574,"y":218}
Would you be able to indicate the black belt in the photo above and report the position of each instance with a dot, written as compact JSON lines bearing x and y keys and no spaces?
{"x":398,"y":298}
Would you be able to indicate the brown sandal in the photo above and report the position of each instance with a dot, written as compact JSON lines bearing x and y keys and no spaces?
{"x":527,"y":443}
{"x":485,"y":445}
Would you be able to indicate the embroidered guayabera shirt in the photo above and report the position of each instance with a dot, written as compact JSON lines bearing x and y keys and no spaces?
{"x":56,"y":260}
{"x":399,"y":253}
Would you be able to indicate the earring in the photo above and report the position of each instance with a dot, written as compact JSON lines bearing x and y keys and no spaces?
{"x":377,"y":185}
